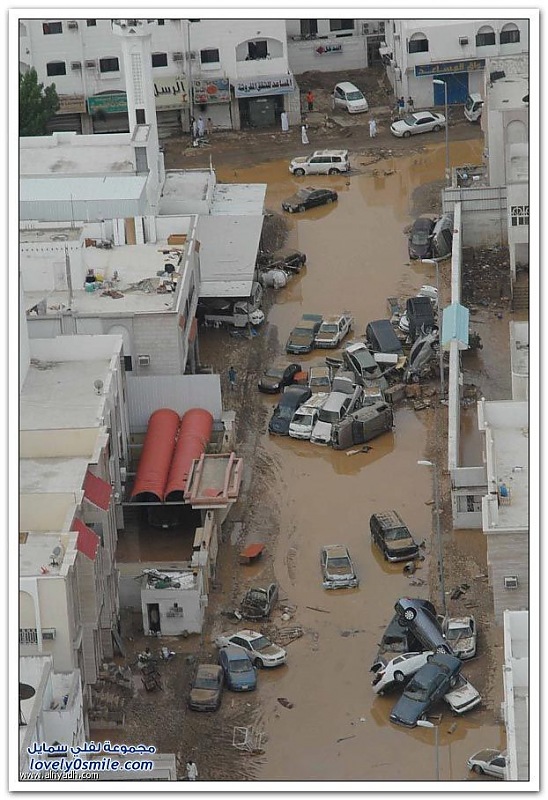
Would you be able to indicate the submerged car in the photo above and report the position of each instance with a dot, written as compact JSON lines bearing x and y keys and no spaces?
{"x":420,"y":617}
{"x":396,"y":639}
{"x":304,"y":418}
{"x":292,"y":397}
{"x":419,"y":244}
{"x":333,"y":330}
{"x":261,"y":651}
{"x":274,"y":379}
{"x":392,"y":536}
{"x":419,"y":122}
{"x":461,"y":634}
{"x":239,"y":672}
{"x":488,"y":762}
{"x":337,"y":568}
{"x":359,"y":358}
{"x":319,"y":380}
{"x":462,"y":697}
{"x":335,"y":408}
{"x":321,"y":162}
{"x":301,"y":338}
{"x":426,"y":687}
{"x":206,"y":688}
{"x":258,"y":603}
{"x":397,"y":670}
{"x":423,"y":354}
{"x":309,"y":198}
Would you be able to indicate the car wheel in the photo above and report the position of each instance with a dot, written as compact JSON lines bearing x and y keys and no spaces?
{"x":441,"y":649}
{"x":406,"y":134}
{"x":333,"y":172}
{"x":477,"y":769}
{"x":330,"y":200}
{"x":290,"y":209}
{"x":409,"y":614}
{"x":436,"y":128}
{"x":258,"y":663}
{"x":301,"y":208}
{"x":399,"y":677}
{"x":299,"y":172}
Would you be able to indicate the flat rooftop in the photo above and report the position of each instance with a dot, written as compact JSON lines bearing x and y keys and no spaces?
{"x":82,"y":155}
{"x":228,"y":254}
{"x":196,"y":192}
{"x":37,"y":552}
{"x":519,"y":348}
{"x":508,"y":93}
{"x":41,"y":235}
{"x":137,"y":281}
{"x":78,"y":188}
{"x":57,"y":475}
{"x":239,"y":198}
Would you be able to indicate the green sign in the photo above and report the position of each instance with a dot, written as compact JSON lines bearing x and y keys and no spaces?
{"x":107,"y":103}
{"x":449,"y":67}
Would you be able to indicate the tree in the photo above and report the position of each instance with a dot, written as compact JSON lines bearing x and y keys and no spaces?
{"x":36,"y":104}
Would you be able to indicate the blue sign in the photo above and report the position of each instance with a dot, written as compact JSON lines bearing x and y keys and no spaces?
{"x":259,"y":87}
{"x":449,"y":67}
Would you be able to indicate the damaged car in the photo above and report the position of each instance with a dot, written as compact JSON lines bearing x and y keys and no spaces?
{"x":337,"y":568}
{"x":362,"y":425}
{"x":398,"y":670}
{"x":258,"y":602}
{"x":301,"y":338}
{"x":421,"y":357}
{"x":461,"y":633}
{"x":426,"y":687}
{"x":420,"y":618}
{"x":206,"y":688}
{"x":463,"y":696}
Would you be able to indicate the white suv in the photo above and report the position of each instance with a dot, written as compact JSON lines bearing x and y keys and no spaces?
{"x":321,"y":162}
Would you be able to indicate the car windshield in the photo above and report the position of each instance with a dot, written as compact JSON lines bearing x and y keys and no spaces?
{"x":328,"y":416}
{"x":302,"y":417}
{"x":338,"y":563}
{"x":420,"y":237}
{"x":274,"y":373}
{"x":285,"y":412}
{"x":206,"y":682}
{"x":395,"y":534}
{"x":354,"y":96}
{"x":304,"y":194}
{"x":416,"y":691}
{"x":261,"y":643}
{"x":462,"y":632}
{"x":328,"y":328}
{"x":301,"y":331}
{"x":240,"y":665}
{"x":321,"y":380}
{"x":410,"y":121}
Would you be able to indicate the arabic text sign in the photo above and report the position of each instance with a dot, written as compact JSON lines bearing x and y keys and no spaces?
{"x":72,"y":104}
{"x":108,"y":103}
{"x":216,"y":90}
{"x":170,"y":92}
{"x":258,"y":87}
{"x":328,"y":49}
{"x":449,"y":67}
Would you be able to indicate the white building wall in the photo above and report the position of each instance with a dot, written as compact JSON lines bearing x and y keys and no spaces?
{"x":331,"y":49}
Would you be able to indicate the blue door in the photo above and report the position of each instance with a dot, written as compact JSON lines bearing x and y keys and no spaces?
{"x":457,"y":89}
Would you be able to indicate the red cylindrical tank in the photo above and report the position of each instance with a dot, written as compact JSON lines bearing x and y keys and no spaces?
{"x":194,"y":436}
{"x":156,"y":456}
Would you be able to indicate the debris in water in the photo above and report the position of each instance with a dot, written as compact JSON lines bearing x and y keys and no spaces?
{"x":315,"y":608}
{"x":283,"y":701}
{"x":452,"y":728}
{"x":344,"y":738}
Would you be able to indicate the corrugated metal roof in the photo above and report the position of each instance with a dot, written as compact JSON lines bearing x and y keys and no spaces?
{"x":228,"y":253}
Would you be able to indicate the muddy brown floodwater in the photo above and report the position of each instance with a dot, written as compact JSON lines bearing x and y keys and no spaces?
{"x":337,"y":730}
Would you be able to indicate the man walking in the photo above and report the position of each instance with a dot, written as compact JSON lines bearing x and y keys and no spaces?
{"x":232,"y":378}
{"x":372,"y":128}
{"x":310,"y":100}
{"x":191,"y":770}
{"x":401,"y":106}
{"x":201,"y":126}
{"x":304,"y":134}
{"x":410,"y":105}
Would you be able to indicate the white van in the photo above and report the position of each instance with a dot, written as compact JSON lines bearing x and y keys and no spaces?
{"x":334,"y":409}
{"x":305,"y":416}
{"x":321,"y":162}
{"x":473,"y":107}
{"x":347,"y":96}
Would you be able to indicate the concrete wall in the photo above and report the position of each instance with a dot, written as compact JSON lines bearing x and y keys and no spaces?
{"x":508,"y":554}
{"x":43,"y":604}
{"x":188,"y":600}
{"x":179,"y":392}
{"x":483,"y":213}
{"x":304,"y":56}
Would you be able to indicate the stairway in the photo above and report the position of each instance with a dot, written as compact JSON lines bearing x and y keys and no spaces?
{"x":520,"y":292}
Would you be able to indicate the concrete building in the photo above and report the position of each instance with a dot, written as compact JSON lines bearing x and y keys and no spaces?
{"x":519,"y":359}
{"x":327,"y":45}
{"x":53,"y":713}
{"x":516,"y":695}
{"x":456,"y":51}
{"x":235,"y":72}
{"x":505,"y":509}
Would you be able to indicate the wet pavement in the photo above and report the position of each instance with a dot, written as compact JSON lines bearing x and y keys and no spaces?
{"x":337,"y":728}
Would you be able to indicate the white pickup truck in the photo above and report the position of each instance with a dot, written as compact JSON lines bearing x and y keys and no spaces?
{"x":333,"y":330}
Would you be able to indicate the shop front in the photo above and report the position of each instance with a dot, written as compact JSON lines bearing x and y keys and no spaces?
{"x":108,"y":112}
{"x":211,"y":98}
{"x":171,"y":98}
{"x":456,"y":75}
{"x":261,"y":100}
{"x":70,"y":114}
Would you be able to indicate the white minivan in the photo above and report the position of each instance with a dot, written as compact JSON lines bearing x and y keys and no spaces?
{"x":321,"y":162}
{"x":347,"y":96}
{"x":333,"y":410}
{"x":305,"y":416}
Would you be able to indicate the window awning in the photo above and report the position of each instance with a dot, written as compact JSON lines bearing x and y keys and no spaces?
{"x":87,"y":541}
{"x":97,"y":491}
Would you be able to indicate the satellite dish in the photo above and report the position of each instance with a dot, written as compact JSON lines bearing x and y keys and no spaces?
{"x":98,"y":385}
{"x":57,"y":550}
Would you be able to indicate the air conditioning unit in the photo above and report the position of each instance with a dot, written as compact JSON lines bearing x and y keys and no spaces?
{"x":463,"y":40}
{"x":365,"y":28}
{"x":76,"y":66}
{"x":48,"y":633}
{"x":177,"y":56}
{"x":143,"y":361}
{"x":381,"y":26}
{"x":511,"y":581}
{"x":123,"y":474}
{"x":72,"y":25}
{"x":91,"y":64}
{"x":192,"y":55}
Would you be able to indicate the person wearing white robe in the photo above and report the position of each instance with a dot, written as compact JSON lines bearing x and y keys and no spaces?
{"x":304,"y":135}
{"x":284,"y":121}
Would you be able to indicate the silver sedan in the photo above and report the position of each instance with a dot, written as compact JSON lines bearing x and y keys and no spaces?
{"x":421,"y":122}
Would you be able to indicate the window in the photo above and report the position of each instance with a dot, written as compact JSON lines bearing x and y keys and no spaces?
{"x":309,"y":27}
{"x":256,"y":51}
{"x":159,"y":59}
{"x":341,"y":24}
{"x":91,"y":23}
{"x":418,"y":43}
{"x":56,"y":68}
{"x":28,"y":636}
{"x":210,"y":56}
{"x":52,"y":27}
{"x":485,"y":36}
{"x":140,"y":116}
{"x":109,"y":65}
{"x":161,"y":22}
{"x":509,"y":34}
{"x":128,"y":365}
{"x":519,"y":215}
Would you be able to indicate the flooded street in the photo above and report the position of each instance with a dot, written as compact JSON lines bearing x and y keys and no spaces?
{"x":337,"y":728}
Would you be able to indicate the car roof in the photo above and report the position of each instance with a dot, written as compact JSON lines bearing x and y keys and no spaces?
{"x":422,"y":114}
{"x":209,"y":669}
{"x":334,"y":317}
{"x":336,"y":550}
{"x":335,"y":401}
{"x":454,"y":621}
{"x":317,"y":370}
{"x":330,"y":153}
{"x":233,"y":652}
{"x":346,"y":86}
{"x":246,"y":633}
{"x":424,"y":222}
{"x":316,"y":401}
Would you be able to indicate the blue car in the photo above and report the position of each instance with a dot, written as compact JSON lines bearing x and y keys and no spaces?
{"x":426,"y":687}
{"x":240,"y":674}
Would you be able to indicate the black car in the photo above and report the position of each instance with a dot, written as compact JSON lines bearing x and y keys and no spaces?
{"x":420,"y":617}
{"x":275,"y":378}
{"x":291,"y":399}
{"x":427,"y":686}
{"x":420,"y":238}
{"x":301,"y":338}
{"x":308,"y":198}
{"x":397,"y":639}
{"x":392,"y":536}
{"x":291,"y":260}
{"x":420,"y":316}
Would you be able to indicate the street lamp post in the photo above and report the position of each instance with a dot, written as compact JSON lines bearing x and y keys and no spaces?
{"x":441,"y":570}
{"x":442,"y":376}
{"x":424,"y":723}
{"x":447,"y":169}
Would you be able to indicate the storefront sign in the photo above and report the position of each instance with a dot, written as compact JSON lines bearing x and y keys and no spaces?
{"x":171,"y":92}
{"x":107,"y":103}
{"x":216,"y":90}
{"x":258,"y":87}
{"x":72,"y":104}
{"x":328,"y":49}
{"x":449,"y":67}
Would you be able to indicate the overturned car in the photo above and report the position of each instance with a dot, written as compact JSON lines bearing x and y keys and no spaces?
{"x":362,"y":425}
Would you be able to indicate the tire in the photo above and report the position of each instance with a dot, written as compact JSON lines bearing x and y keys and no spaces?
{"x":477,"y":769}
{"x":299,"y":172}
{"x":441,"y":649}
{"x":290,"y":210}
{"x":301,"y":208}
{"x":406,"y":134}
{"x":330,"y":200}
{"x":333,"y":172}
{"x":409,"y":614}
{"x":399,"y":677}
{"x":436,"y":128}
{"x":258,"y":663}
